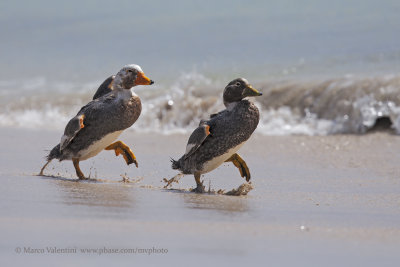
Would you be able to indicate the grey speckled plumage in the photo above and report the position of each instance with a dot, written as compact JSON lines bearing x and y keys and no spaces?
{"x":114,"y":108}
{"x":228,"y":130}
{"x":105,"y":87}
{"x":103,"y":115}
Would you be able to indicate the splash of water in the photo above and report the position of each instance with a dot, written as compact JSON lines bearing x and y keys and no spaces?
{"x":342,"y":105}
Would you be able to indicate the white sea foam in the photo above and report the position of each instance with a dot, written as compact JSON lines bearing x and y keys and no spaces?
{"x":343,"y":105}
{"x":47,"y":118}
{"x":283,"y":121}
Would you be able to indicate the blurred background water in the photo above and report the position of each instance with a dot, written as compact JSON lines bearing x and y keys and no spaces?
{"x":299,"y":53}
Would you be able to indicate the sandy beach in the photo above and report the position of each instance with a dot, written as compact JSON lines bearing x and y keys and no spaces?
{"x":317,"y":201}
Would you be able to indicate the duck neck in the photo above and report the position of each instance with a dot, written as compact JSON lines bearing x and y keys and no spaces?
{"x":122,"y":93}
{"x":117,"y":87}
{"x":230,"y":105}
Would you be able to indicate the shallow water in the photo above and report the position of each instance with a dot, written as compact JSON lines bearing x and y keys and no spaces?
{"x":316,"y":200}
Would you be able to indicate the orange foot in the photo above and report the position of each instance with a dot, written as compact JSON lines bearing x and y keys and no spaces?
{"x":241,"y":165}
{"x":120,"y":148}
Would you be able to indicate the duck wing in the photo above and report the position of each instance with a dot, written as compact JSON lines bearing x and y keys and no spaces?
{"x":86,"y":116}
{"x":105,"y":87}
{"x":197,"y":138}
{"x":72,"y":128}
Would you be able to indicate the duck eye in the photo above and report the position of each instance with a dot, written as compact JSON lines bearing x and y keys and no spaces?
{"x":129,"y":70}
{"x":238,"y":84}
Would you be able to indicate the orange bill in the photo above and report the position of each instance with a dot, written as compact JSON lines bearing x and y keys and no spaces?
{"x":141,"y":79}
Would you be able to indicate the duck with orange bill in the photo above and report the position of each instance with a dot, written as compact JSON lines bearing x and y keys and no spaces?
{"x":218,"y":139}
{"x":98,"y":124}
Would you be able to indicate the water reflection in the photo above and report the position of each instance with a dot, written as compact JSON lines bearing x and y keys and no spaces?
{"x":225,"y":204}
{"x":95,"y":194}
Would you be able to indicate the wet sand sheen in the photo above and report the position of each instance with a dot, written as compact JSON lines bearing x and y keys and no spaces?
{"x":332,"y":199}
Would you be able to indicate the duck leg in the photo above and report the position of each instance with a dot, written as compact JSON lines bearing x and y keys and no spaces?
{"x":79,"y":173}
{"x":200,"y":187}
{"x":120,"y":148}
{"x":44,"y":167}
{"x":241,"y":165}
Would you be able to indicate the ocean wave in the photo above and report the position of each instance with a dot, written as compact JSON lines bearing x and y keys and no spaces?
{"x":343,"y":105}
{"x":348,"y":105}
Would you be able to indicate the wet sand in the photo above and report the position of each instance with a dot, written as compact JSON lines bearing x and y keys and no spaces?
{"x":317,"y":201}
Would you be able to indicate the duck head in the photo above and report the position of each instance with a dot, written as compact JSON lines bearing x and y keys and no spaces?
{"x":238,"y":89}
{"x":130,"y":76}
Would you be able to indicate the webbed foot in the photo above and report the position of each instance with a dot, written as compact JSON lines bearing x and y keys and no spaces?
{"x":241,"y":165}
{"x":121,"y":148}
{"x":200,"y":188}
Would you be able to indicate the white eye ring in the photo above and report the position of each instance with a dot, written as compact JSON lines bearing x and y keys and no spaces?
{"x":238,"y":84}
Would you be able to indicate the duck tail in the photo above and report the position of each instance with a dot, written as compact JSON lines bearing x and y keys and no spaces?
{"x":55,"y":153}
{"x":175,"y":164}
